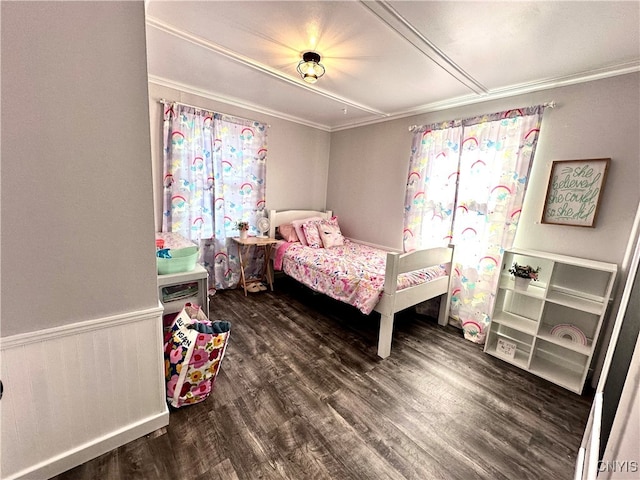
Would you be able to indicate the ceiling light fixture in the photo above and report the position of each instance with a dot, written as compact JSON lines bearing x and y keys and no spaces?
{"x":310,"y":68}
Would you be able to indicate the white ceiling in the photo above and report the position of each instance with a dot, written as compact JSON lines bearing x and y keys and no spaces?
{"x":384,"y":59}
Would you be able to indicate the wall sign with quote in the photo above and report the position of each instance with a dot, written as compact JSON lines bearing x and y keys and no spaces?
{"x":506,"y":348}
{"x":573,"y":194}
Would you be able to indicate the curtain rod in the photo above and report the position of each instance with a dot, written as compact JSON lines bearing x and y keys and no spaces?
{"x":169,"y":102}
{"x":551,"y":104}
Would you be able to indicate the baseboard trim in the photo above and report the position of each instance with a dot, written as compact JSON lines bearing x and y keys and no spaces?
{"x":375,"y":245}
{"x":83,"y":453}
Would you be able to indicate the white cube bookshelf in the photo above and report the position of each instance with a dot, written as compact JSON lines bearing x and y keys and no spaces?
{"x":554,"y":324}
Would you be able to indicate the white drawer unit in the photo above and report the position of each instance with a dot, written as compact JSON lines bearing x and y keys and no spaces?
{"x":176,"y":289}
{"x":551,"y":329}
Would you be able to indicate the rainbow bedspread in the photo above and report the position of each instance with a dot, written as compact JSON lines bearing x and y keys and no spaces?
{"x":352,"y":273}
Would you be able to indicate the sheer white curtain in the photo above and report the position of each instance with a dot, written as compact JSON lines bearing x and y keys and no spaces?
{"x":493,"y":160}
{"x":431,"y":185}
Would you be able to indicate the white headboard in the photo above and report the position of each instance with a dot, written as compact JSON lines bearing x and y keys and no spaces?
{"x":277,"y":218}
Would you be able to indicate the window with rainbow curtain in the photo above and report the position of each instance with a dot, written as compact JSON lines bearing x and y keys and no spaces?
{"x":490,"y":159}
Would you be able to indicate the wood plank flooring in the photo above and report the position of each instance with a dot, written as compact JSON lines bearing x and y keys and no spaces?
{"x":302,"y":395}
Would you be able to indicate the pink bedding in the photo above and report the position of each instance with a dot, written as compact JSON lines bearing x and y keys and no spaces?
{"x":352,"y":273}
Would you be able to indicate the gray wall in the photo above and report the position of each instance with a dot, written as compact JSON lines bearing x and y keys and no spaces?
{"x":77,"y":203}
{"x":297,"y":159}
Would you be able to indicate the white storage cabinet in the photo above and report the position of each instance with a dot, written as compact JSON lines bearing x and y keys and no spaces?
{"x":552,"y":328}
{"x":176,"y":289}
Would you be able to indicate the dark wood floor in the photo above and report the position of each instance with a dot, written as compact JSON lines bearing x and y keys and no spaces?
{"x":302,"y":395}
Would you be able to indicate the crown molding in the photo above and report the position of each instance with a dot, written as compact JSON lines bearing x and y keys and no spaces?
{"x":236,"y":102}
{"x":523,"y":89}
{"x":512,"y":91}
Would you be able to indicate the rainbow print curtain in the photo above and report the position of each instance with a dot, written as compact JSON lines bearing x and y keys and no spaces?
{"x":214,"y":176}
{"x":466,"y":186}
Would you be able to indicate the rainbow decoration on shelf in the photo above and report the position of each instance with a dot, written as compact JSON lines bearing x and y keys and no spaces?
{"x":573,"y":333}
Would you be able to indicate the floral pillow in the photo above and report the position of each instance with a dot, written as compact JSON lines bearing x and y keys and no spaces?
{"x":288,"y":233}
{"x":311,"y":234}
{"x":297,"y":224}
{"x":330,"y":233}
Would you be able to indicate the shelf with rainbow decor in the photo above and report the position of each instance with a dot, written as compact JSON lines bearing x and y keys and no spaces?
{"x":551,"y":328}
{"x":568,"y":336}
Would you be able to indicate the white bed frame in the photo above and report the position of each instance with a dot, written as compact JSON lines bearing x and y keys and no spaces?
{"x":393,"y":300}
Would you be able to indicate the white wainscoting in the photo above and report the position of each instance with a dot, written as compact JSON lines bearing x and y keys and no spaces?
{"x":74,"y":392}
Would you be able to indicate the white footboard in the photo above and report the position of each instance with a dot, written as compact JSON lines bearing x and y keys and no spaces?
{"x":394,"y":300}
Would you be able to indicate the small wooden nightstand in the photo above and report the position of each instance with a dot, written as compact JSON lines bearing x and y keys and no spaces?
{"x":244,"y":244}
